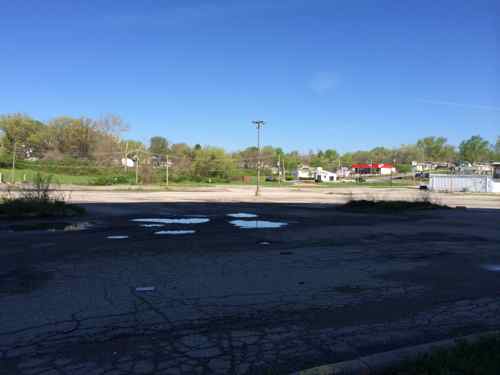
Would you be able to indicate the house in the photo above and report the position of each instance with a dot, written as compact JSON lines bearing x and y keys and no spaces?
{"x":496,"y":171}
{"x":325,"y":176}
{"x":422,"y":167}
{"x":304,"y":172}
{"x":130,"y":163}
{"x":373,"y":168}
{"x":343,"y":172}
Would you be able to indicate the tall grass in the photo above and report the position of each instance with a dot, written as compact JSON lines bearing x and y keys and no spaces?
{"x":36,"y":199}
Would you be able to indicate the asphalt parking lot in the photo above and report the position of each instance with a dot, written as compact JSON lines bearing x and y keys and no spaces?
{"x":217,"y":298}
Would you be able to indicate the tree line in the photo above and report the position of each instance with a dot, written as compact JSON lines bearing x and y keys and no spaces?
{"x":101,"y":142}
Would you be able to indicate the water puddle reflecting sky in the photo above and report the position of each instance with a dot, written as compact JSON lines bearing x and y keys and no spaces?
{"x":257,"y":224}
{"x":492,"y":267}
{"x":192,"y":220}
{"x":242,"y":215}
{"x":175,"y":232}
{"x":117,"y":237}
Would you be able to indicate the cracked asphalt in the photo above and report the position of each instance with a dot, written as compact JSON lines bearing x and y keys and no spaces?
{"x":330,"y":286}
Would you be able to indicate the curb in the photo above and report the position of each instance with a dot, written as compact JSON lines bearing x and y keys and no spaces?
{"x":376,"y":363}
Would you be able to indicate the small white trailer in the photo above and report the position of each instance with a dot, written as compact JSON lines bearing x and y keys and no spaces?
{"x":463,"y":183}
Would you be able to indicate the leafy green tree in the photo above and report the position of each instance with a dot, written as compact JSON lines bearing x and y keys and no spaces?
{"x":293,"y":160}
{"x":212,"y":163}
{"x":405,"y":154}
{"x":22,"y":133}
{"x":381,"y":155}
{"x":497,"y":149}
{"x":435,"y":149}
{"x":475,"y":149}
{"x":73,"y":137}
{"x":158,"y":145}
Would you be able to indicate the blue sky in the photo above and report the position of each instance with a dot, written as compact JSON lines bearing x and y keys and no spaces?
{"x":347,"y":74}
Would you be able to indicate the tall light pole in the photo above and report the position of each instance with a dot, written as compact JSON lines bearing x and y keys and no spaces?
{"x":259,"y":124}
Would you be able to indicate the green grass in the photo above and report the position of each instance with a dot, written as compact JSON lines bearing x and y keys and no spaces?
{"x":480,"y":358}
{"x":28,"y":175}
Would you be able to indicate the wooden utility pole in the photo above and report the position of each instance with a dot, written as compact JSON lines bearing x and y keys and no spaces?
{"x":167,"y":176}
{"x":259,"y":124}
{"x":137,"y":169}
{"x":14,"y":152}
{"x":126,"y":158}
{"x":279,"y":169}
{"x":284,"y":170}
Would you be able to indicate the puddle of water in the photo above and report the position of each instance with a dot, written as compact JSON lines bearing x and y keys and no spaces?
{"x":117,"y":237}
{"x":77,"y":226}
{"x":145,"y":289}
{"x":51,"y":227}
{"x":257,"y":224}
{"x":152,"y":225}
{"x":264,"y":243}
{"x":492,"y":267}
{"x":242,"y":215}
{"x":191,"y":220}
{"x":175,"y":232}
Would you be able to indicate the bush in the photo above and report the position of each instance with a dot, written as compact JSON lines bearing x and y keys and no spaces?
{"x":37,"y":201}
{"x":404,"y":168}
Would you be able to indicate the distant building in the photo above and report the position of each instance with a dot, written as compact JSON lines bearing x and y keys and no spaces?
{"x":314,"y":174}
{"x":372,"y":168}
{"x":324,"y":176}
{"x":128,"y":163}
{"x":304,"y":172}
{"x":343,"y":172}
{"x":496,"y":171}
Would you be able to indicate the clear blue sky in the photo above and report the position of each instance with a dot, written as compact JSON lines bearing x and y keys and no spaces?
{"x":347,"y":74}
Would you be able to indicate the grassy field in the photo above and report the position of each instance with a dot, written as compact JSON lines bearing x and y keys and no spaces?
{"x":66,"y":179}
{"x":28,"y":175}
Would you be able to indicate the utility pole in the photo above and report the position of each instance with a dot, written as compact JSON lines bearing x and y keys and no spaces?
{"x":279,"y":169}
{"x":167,"y":176}
{"x":14,"y":152}
{"x":259,"y":124}
{"x":392,"y":168}
{"x":126,"y":158}
{"x":137,"y":169}
{"x":284,"y":170}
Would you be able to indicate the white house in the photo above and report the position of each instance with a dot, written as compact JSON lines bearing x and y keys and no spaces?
{"x":304,"y":172}
{"x":128,"y":163}
{"x":325,"y":176}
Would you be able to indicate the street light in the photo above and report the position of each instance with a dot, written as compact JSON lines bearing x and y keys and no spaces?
{"x":259,"y":125}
